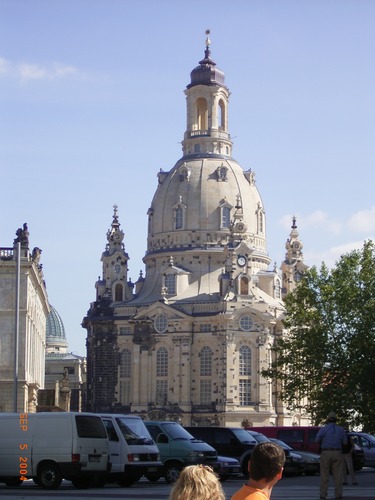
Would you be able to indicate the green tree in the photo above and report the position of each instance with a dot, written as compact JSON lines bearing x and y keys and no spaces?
{"x":327,"y":359}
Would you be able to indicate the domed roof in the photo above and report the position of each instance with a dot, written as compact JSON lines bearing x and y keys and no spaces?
{"x":55,"y":331}
{"x":206,"y":73}
{"x":213,"y":183}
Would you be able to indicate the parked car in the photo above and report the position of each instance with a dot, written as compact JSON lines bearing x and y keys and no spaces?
{"x":294,"y":464}
{"x":228,"y":467}
{"x":367,"y":443}
{"x":311,"y":461}
{"x":178,"y":449}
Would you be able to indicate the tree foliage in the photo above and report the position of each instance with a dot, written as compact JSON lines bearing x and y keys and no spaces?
{"x":327,"y":358}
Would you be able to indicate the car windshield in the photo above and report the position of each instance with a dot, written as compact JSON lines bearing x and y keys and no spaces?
{"x":259,"y":438}
{"x":175,"y":431}
{"x":282,"y":444}
{"x":134,"y":430}
{"x":244,"y":436}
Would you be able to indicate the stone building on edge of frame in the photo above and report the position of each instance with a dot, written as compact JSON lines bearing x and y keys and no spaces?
{"x":187,"y":341}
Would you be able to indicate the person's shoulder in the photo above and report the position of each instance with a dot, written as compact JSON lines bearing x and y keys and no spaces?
{"x":249,"y":493}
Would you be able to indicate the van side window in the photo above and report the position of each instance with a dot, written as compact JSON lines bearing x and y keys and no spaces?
{"x":90,"y":427}
{"x":111,"y":431}
{"x":291,"y":435}
{"x":312,"y":435}
{"x":224,"y":436}
{"x":154,"y":430}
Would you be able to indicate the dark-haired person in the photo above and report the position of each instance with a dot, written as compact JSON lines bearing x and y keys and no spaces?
{"x":266,"y":466}
{"x":331,"y":438}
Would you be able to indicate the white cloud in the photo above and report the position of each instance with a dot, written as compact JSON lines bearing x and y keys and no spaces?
{"x":331,"y":255}
{"x":316,"y":220}
{"x":25,"y":71}
{"x":4,"y":66}
{"x":362,"y":221}
{"x":31,"y":72}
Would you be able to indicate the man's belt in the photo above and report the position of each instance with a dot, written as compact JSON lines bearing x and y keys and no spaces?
{"x":331,"y":449}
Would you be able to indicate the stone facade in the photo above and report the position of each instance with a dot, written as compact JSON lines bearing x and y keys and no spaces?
{"x":33,"y":311}
{"x":187,"y":341}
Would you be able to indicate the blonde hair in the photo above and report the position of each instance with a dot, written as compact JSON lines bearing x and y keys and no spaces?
{"x":197,"y":482}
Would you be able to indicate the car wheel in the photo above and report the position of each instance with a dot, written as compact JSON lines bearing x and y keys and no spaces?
{"x":49,"y":476}
{"x":172,"y":472}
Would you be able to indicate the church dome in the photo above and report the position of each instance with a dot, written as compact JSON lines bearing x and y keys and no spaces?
{"x":216,"y":188}
{"x":207,"y":207}
{"x":55,"y":332}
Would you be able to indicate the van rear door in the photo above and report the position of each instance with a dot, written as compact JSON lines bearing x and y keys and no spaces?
{"x":91,"y":443}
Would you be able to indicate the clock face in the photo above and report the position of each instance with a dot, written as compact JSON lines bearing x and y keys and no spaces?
{"x":241,"y":260}
{"x":117,"y":268}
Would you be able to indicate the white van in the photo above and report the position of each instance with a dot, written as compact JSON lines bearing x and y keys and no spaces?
{"x":49,"y":447}
{"x":133,"y":453}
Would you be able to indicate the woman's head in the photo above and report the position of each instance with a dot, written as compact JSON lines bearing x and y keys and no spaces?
{"x":197,"y":482}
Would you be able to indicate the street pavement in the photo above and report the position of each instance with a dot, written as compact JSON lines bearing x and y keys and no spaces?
{"x":289,"y":488}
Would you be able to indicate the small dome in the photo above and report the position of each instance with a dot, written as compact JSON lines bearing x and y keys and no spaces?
{"x":206,"y":73}
{"x":55,"y":331}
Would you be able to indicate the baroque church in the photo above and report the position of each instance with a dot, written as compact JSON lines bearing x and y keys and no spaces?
{"x":188,"y":340}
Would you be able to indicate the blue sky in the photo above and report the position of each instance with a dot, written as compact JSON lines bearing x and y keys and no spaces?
{"x":92,"y":106}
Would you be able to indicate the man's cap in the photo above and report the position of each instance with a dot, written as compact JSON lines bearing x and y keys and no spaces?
{"x":331,"y":416}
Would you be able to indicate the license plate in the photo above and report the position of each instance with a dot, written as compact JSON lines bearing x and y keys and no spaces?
{"x":152,"y":469}
{"x":93,"y":458}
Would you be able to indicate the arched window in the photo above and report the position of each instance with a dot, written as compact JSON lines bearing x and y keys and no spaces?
{"x":125,"y":363}
{"x":244,"y":367}
{"x":179,"y":217}
{"x":245,"y":360}
{"x":221,"y":114}
{"x":162,"y":362}
{"x":260,"y":218}
{"x":125,"y":377}
{"x":118,"y":292}
{"x":261,"y":222}
{"x":225,"y":217}
{"x":202,"y":114}
{"x":244,"y":285}
{"x":206,"y":372}
{"x":161,"y":395}
{"x":206,"y":362}
{"x":277,"y":290}
{"x":170,"y":284}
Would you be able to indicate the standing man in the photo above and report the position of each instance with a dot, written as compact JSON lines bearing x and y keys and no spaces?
{"x":331,"y":438}
{"x":266,"y":466}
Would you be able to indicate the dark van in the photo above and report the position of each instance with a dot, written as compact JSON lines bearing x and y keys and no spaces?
{"x":229,"y":441}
